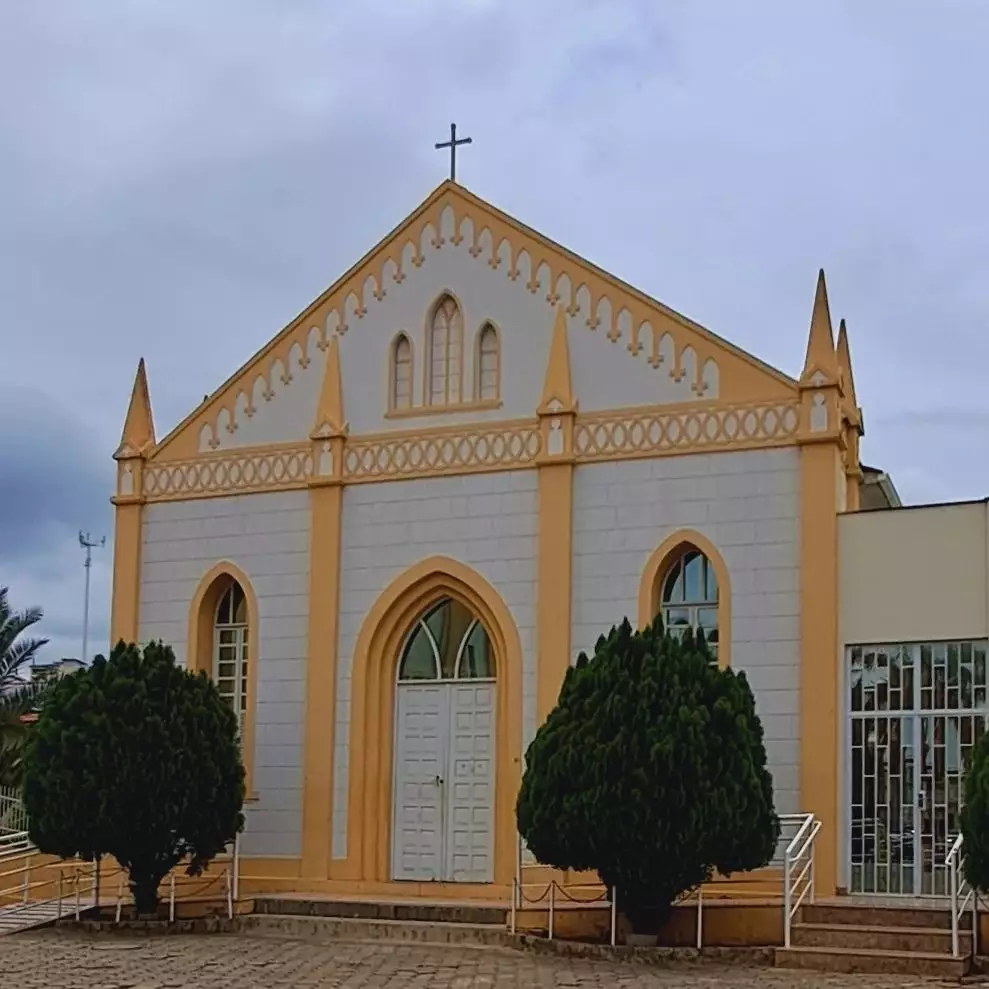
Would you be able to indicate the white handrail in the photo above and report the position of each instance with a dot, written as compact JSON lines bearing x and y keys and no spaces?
{"x":962,"y":893}
{"x":798,"y":871}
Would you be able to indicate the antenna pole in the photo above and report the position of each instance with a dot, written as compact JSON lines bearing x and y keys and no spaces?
{"x":87,"y":542}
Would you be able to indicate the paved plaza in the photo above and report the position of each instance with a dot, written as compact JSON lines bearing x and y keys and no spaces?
{"x":62,"y":960}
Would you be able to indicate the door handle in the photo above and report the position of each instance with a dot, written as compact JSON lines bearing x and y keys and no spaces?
{"x":439,"y":780}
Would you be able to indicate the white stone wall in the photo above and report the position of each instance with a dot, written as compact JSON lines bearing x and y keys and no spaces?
{"x":747,"y":504}
{"x":266,"y":536}
{"x":485,"y":521}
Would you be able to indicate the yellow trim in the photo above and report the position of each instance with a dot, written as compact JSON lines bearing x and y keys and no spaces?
{"x":482,"y":447}
{"x":126,"y":601}
{"x":199,"y":643}
{"x":659,"y":563}
{"x":554,"y":575}
{"x":393,"y":409}
{"x":325,"y":526}
{"x":488,"y":324}
{"x":742,"y":377}
{"x":372,"y":703}
{"x":820,"y":475}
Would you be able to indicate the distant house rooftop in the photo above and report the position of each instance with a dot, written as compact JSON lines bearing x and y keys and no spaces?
{"x":877,"y":490}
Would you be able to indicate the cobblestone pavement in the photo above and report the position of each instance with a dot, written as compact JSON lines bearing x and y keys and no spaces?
{"x":57,"y":960}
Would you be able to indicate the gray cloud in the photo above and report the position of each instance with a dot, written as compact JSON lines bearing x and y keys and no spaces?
{"x":180,"y":179}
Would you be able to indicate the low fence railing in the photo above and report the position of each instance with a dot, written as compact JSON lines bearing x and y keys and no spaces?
{"x":794,"y":858}
{"x":29,"y":878}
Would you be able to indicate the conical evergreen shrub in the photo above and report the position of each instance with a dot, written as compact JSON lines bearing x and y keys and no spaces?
{"x":975,"y":817}
{"x":651,"y":771}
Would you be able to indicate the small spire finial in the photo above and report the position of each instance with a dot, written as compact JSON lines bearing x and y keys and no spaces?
{"x":557,"y":386}
{"x":329,"y":412}
{"x":139,"y":429}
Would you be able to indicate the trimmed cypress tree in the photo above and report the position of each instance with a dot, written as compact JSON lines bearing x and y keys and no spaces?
{"x":975,"y":817}
{"x":138,"y":759}
{"x":651,"y":771}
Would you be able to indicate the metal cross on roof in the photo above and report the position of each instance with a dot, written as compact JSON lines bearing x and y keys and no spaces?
{"x":452,"y":144}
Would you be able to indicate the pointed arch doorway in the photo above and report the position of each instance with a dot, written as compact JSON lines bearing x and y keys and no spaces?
{"x":385,"y":636}
{"x":445,"y":708}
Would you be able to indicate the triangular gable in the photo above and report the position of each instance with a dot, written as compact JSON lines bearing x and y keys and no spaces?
{"x":648,"y":329}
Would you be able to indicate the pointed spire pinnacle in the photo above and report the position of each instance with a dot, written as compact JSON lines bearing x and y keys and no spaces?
{"x":820,"y":359}
{"x":139,"y":427}
{"x":844,"y":357}
{"x":329,"y":412}
{"x":557,"y":385}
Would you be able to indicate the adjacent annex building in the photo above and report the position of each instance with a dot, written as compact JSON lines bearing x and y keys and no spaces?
{"x":390,"y":532}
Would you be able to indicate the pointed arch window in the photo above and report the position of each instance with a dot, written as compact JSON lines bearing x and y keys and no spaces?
{"x":689,"y":596}
{"x":444,"y":359}
{"x":447,"y":643}
{"x":488,"y":374}
{"x":401,"y":373}
{"x":230,"y":650}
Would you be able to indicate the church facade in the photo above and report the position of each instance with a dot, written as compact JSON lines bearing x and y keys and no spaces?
{"x":391,"y":531}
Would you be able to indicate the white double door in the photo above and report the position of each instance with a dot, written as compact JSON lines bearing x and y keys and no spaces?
{"x":443,"y":828}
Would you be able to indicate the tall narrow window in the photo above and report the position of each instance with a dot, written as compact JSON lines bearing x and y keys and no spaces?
{"x":230,"y":670}
{"x":488,"y":364}
{"x":689,"y":597}
{"x":401,"y":371}
{"x":446,"y":334}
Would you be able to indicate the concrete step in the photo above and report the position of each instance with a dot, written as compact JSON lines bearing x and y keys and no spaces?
{"x":439,"y":913}
{"x":362,"y":929}
{"x":929,"y":940}
{"x":864,"y":915}
{"x":873,"y":961}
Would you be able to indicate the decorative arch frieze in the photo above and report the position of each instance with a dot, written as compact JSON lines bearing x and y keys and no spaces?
{"x":452,"y":218}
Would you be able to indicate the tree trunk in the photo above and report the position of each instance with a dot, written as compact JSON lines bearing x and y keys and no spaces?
{"x":144,"y":889}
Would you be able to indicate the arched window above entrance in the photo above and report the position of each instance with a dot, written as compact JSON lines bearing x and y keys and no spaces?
{"x":689,"y":596}
{"x":447,"y":643}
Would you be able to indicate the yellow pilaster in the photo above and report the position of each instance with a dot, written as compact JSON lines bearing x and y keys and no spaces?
{"x":325,"y":520}
{"x":136,"y":444}
{"x":822,"y":485}
{"x":557,"y":413}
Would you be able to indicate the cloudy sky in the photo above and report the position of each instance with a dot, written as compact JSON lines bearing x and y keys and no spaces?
{"x":178,"y":178}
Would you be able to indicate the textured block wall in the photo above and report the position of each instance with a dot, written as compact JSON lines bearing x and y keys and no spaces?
{"x":486,"y":521}
{"x":747,"y":504}
{"x":266,"y":536}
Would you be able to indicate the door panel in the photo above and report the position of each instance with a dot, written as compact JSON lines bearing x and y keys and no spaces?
{"x":470,"y":834}
{"x":420,"y":762}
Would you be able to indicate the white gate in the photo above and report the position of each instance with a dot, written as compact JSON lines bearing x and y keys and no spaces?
{"x":915,"y":713}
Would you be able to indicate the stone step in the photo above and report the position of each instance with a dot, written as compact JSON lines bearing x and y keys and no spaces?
{"x":441,"y":913}
{"x":929,"y":940}
{"x":864,"y":915}
{"x":873,"y":961}
{"x":363,"y":929}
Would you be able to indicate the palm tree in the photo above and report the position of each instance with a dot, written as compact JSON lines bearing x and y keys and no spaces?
{"x":17,"y":696}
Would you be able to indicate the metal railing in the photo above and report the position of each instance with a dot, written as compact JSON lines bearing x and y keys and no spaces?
{"x":962,"y":894}
{"x":13,"y":817}
{"x":798,"y":871}
{"x":794,"y":857}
